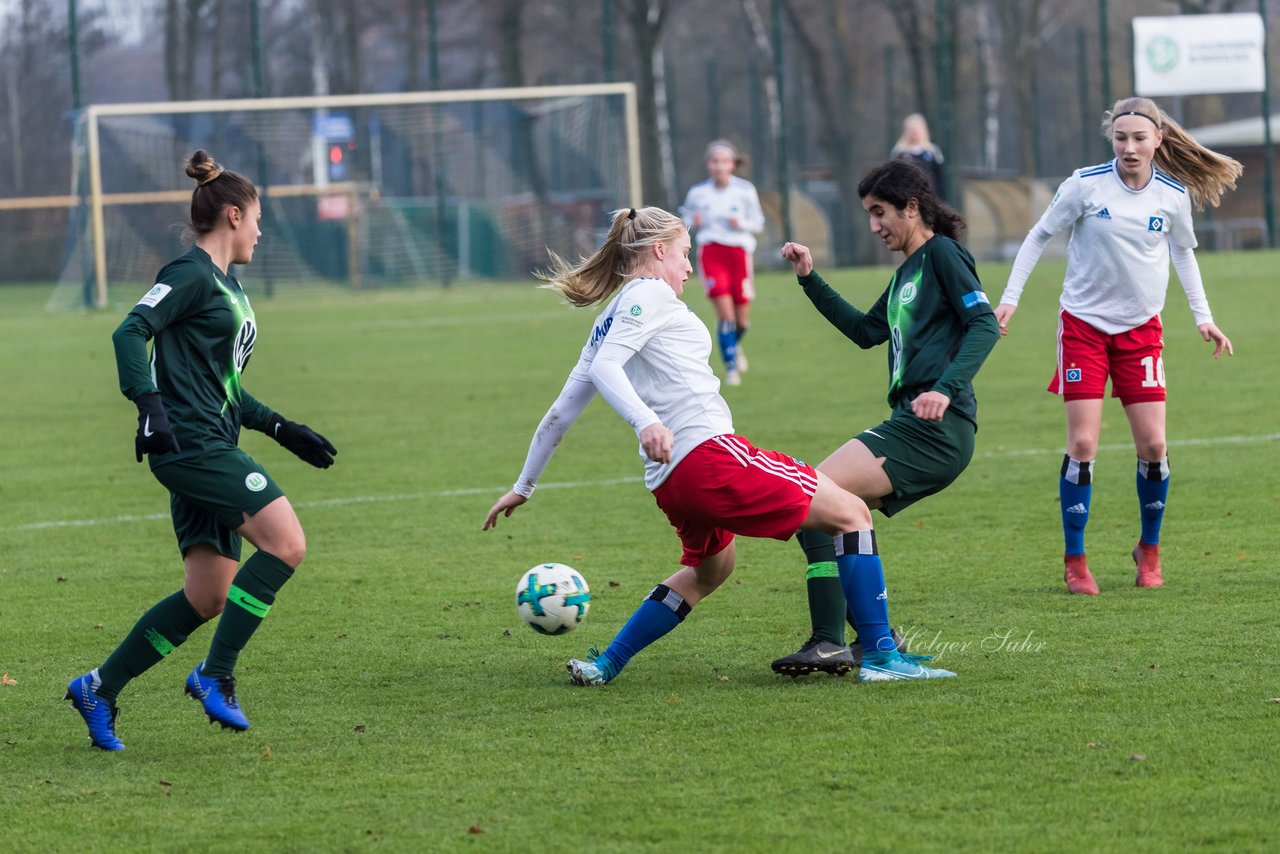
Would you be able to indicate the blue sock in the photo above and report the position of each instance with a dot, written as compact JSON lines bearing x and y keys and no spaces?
{"x":727,"y":332}
{"x":1153,"y":489}
{"x":862,"y":578}
{"x":1075,"y":488}
{"x":662,"y":611}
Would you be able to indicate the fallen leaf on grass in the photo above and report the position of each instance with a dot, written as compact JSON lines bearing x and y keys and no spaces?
{"x":166,"y":785}
{"x":475,"y":829}
{"x":266,"y":752}
{"x":359,"y":727}
{"x":615,"y":583}
{"x":6,"y":681}
{"x":1096,"y":744}
{"x":1136,"y":757}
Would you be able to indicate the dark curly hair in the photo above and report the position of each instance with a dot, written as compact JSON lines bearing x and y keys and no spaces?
{"x":898,"y":182}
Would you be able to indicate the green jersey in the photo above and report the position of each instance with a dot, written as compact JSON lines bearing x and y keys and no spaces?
{"x":204,"y":333}
{"x":936,"y":318}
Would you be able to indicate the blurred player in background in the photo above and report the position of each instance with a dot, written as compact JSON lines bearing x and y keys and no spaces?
{"x":647,"y":355}
{"x":915,"y":145}
{"x":191,"y":406}
{"x":723,"y":213}
{"x":1129,"y":217}
{"x":939,"y":326}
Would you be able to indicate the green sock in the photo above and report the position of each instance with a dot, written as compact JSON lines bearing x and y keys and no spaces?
{"x":250,"y":598}
{"x":822,"y":582}
{"x":159,"y":632}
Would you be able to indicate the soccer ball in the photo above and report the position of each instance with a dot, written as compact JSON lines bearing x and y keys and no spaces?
{"x":553,"y":598}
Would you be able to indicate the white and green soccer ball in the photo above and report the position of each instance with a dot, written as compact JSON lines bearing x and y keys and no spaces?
{"x":553,"y":598}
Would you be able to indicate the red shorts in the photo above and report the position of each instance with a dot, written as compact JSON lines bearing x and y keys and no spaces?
{"x":725,"y":272}
{"x":726,"y":486}
{"x":1086,"y":357}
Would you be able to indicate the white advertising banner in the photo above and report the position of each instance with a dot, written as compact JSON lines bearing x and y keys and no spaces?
{"x":1198,"y":54}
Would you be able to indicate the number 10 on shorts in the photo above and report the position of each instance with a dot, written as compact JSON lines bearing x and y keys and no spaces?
{"x":1153,"y":372}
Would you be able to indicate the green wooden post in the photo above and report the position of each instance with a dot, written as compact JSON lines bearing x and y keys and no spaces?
{"x":433,"y":72}
{"x":606,"y":38}
{"x":784,"y":172}
{"x":1267,"y":201}
{"x":1082,"y":80}
{"x":1104,"y":58}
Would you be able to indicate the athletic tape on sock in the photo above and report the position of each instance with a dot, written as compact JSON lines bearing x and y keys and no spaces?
{"x":857,"y":543}
{"x":1077,"y":472}
{"x":673,"y":600}
{"x":1158,"y":470}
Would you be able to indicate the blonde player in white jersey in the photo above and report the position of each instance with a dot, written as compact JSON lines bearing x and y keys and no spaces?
{"x":1129,"y":218}
{"x":647,"y":355}
{"x":724,"y":215}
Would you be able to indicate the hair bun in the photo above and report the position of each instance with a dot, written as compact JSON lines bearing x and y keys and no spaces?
{"x":203,"y":168}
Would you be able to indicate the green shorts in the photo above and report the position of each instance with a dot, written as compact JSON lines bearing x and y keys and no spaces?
{"x":920,"y":457}
{"x":210,"y":495}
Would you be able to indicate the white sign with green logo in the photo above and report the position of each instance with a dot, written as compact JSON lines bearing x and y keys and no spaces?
{"x":1198,"y":54}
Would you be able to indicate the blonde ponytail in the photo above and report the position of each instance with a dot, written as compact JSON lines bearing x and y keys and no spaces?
{"x":1206,"y":174}
{"x":594,"y":279}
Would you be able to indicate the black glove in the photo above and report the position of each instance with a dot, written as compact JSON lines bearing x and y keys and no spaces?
{"x":155,"y":436}
{"x":306,"y":443}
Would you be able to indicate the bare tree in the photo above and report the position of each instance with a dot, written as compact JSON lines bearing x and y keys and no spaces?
{"x":910,"y":17}
{"x":1025,"y":27}
{"x":507,"y":20}
{"x":831,"y":78}
{"x":760,"y":36}
{"x":645,"y":19}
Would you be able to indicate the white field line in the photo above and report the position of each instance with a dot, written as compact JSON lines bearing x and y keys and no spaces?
{"x":467,"y":320}
{"x":336,"y":502}
{"x":611,"y":481}
{"x":1128,"y":446}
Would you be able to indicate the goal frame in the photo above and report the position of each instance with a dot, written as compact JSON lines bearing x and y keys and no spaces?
{"x":97,"y":199}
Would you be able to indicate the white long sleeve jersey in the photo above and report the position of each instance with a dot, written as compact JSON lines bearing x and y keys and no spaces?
{"x":715,"y":207}
{"x":1119,"y":252}
{"x":647,"y":356}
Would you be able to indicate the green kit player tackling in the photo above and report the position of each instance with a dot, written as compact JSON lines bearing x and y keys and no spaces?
{"x":191,"y":407}
{"x":939,"y":326}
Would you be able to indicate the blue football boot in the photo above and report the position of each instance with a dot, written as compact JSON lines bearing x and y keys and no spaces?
{"x":218,"y":696}
{"x":98,"y":713}
{"x":894,"y":666}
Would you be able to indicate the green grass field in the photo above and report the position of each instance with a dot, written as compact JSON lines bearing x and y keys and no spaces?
{"x":398,"y":703}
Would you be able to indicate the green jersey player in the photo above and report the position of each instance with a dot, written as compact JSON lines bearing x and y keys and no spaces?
{"x":191,"y":406}
{"x":939,"y":326}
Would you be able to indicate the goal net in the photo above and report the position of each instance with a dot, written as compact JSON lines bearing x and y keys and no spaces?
{"x":372,"y":191}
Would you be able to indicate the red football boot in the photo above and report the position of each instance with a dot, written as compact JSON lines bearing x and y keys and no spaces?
{"x":1078,"y":577}
{"x":1147,"y":558}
